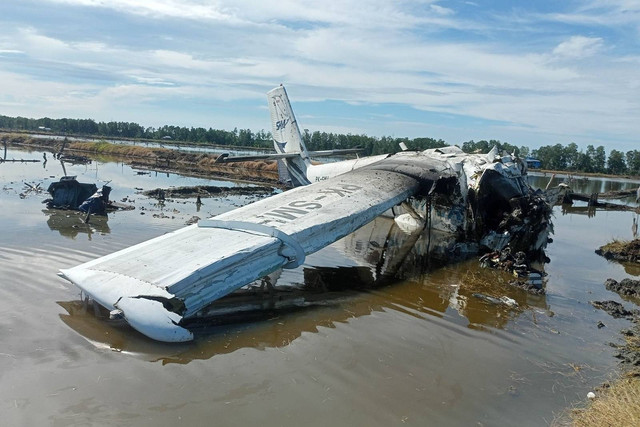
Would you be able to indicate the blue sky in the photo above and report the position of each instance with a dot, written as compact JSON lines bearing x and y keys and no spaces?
{"x":526,"y":72}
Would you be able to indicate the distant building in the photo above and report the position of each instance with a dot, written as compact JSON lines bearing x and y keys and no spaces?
{"x":533,"y":163}
{"x":166,"y":137}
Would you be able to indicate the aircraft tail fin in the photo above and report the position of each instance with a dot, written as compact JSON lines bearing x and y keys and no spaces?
{"x":287,"y":137}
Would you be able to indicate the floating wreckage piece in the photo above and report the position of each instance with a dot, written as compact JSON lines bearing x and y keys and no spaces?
{"x":503,"y":300}
{"x":70,"y":194}
{"x":73,"y":159}
{"x":526,"y":277}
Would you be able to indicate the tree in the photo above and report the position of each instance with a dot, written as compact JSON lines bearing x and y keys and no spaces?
{"x":633,"y":162}
{"x":572,"y":155}
{"x":599,"y":159}
{"x":616,"y":164}
{"x":551,"y":156}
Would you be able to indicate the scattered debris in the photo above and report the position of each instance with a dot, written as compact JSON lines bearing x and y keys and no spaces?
{"x":73,"y":159}
{"x":527,"y":278}
{"x":504,"y":300}
{"x":601,"y":325}
{"x":36,"y":189}
{"x":193,"y":220}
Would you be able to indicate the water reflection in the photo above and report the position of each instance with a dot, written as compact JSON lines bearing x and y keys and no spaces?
{"x":71,"y":223}
{"x":382,"y":269}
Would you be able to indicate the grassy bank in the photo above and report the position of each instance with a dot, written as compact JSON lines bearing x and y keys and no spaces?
{"x":616,"y":404}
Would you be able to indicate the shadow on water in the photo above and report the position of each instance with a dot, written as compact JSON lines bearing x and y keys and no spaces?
{"x":393,"y":271}
{"x":72,"y":223}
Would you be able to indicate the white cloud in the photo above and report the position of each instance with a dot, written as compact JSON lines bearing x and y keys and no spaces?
{"x":579,"y":47}
{"x":198,"y":10}
{"x":442,"y":10}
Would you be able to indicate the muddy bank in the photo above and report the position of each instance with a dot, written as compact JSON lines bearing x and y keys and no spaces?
{"x":629,"y":352}
{"x":624,"y":288}
{"x":617,"y":402}
{"x":622,"y":251}
{"x":615,"y":309}
{"x":156,"y":158}
{"x":207,"y":191}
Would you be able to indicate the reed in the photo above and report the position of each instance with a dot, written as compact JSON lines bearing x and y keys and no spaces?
{"x":617,"y":404}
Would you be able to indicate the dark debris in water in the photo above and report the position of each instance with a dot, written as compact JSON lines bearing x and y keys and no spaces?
{"x":526,"y":277}
{"x":528,"y":287}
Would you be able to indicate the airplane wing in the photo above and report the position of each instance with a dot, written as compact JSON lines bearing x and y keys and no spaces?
{"x":159,"y":283}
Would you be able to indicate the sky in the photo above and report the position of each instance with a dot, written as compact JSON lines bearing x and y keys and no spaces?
{"x":529,"y":73}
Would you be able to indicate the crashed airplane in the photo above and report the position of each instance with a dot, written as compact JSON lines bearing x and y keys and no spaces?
{"x":158,"y":286}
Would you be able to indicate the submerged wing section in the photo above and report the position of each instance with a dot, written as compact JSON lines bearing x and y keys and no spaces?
{"x":158,"y":283}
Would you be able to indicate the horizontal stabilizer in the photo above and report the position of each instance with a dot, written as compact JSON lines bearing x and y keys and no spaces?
{"x":225,"y":158}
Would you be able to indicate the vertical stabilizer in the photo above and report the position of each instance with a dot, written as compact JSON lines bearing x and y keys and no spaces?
{"x":286,"y":136}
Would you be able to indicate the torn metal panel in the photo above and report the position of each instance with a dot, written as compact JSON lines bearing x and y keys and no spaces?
{"x":69,"y":193}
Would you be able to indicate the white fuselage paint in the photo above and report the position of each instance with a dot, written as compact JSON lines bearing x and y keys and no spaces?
{"x":322,"y":172}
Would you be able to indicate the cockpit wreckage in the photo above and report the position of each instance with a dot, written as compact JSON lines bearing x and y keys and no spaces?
{"x":483,"y":200}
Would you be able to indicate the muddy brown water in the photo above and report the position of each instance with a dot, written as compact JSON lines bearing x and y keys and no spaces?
{"x":340,"y":344}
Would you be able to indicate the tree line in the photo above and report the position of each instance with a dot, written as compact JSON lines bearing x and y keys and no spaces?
{"x":570,"y":157}
{"x":238,"y":137}
{"x":555,"y":157}
{"x":129,"y":130}
{"x":370,"y":146}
